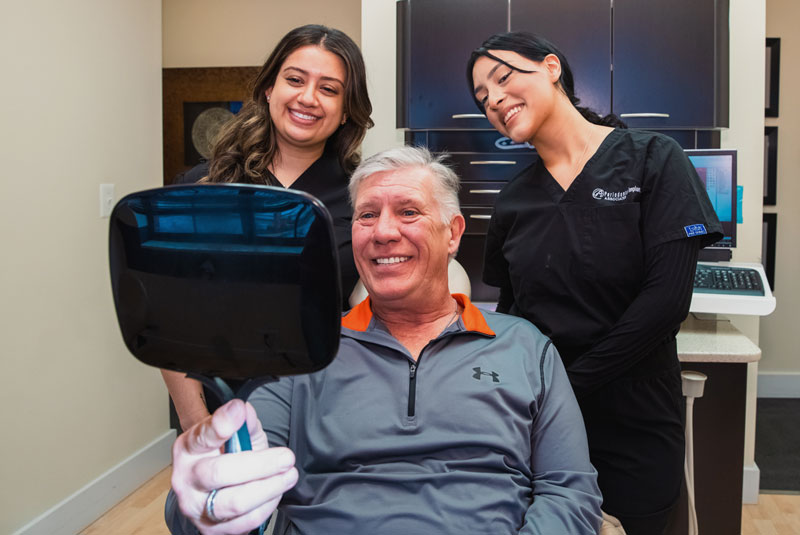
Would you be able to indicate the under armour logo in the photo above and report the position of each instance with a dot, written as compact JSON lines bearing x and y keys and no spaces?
{"x":477,"y":375}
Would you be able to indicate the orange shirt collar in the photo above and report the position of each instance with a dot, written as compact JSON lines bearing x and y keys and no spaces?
{"x":359,"y":316}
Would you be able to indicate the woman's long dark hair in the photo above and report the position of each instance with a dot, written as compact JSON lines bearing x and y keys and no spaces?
{"x":536,"y":48}
{"x":246,"y":144}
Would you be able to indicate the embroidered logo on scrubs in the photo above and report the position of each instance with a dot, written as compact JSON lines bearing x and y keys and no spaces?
{"x":600,"y":193}
{"x":695,"y":230}
{"x":478,"y":373}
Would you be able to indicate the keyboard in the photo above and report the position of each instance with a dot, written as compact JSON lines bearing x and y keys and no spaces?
{"x":727,"y":280}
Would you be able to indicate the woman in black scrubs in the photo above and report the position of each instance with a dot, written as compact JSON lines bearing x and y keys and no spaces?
{"x":302,"y":129}
{"x":596,"y":243}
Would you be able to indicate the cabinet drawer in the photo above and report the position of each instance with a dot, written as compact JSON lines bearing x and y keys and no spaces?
{"x":479,"y":193}
{"x":477,"y":218}
{"x":488,"y":166}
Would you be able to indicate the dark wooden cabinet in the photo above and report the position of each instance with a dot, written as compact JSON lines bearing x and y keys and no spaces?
{"x":660,"y":64}
{"x":581,"y":29}
{"x":719,"y":424}
{"x":434,"y":41}
{"x":671,"y":63}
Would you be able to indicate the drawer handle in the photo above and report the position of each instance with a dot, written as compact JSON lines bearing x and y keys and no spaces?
{"x":468,"y":116}
{"x":640,"y":115}
{"x":493,"y":162}
{"x":480,"y":216}
{"x":492,"y":191}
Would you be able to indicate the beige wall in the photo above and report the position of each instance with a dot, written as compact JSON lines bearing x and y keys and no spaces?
{"x":81,"y":98}
{"x":82,"y":106}
{"x":778,"y":331}
{"x":213,"y":33}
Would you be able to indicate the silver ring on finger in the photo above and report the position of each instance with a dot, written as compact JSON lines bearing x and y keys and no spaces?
{"x":210,"y":507}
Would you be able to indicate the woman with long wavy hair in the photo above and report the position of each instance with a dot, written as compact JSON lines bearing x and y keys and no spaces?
{"x":302,"y":129}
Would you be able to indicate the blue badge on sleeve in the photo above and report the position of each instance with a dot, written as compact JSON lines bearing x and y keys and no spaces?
{"x":695,"y":230}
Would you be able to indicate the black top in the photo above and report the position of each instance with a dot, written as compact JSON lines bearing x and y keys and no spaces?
{"x":327,"y":181}
{"x":594,"y":267}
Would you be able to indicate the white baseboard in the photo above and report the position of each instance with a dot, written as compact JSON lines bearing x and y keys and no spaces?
{"x":751,"y":483}
{"x":89,"y":503}
{"x":779,"y":385}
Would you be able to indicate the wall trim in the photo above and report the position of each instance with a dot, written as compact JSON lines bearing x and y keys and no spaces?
{"x":751,"y":483}
{"x":779,"y":385}
{"x":88,"y":504}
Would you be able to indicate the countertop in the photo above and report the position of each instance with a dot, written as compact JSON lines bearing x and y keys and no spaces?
{"x":714,"y":340}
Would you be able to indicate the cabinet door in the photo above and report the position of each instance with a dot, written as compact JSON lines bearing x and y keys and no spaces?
{"x":670,"y":63}
{"x":581,"y":29}
{"x":435,"y":39}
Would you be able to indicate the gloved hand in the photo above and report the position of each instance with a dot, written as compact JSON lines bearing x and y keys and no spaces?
{"x":248,"y":484}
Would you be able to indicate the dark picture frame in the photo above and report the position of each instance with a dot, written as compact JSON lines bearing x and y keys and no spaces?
{"x":201,"y":125}
{"x":770,"y":165}
{"x":772,"y":71}
{"x":769,"y":233}
{"x":187,"y":92}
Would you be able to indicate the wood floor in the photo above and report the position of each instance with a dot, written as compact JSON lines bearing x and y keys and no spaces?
{"x":775,"y":514}
{"x":142,"y":513}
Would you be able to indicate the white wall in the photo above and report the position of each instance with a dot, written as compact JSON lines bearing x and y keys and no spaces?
{"x":211,"y":33}
{"x":81,"y":105}
{"x":780,"y":364}
{"x":379,"y":43}
{"x":746,"y":134}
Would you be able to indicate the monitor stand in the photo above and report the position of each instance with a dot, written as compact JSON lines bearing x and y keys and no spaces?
{"x":714,"y":255}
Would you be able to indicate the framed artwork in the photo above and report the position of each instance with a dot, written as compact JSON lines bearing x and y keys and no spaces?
{"x":770,"y":165}
{"x":196,"y":103}
{"x":769,"y":232}
{"x":772,"y":76}
{"x":202,"y":122}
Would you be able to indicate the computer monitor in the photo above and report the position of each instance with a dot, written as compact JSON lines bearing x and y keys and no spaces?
{"x":717,"y":170}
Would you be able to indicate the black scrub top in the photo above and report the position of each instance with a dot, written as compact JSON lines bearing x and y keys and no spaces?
{"x":327,"y":181}
{"x":574,"y":259}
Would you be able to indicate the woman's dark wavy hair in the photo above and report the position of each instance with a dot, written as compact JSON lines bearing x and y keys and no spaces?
{"x":246,"y":144}
{"x":535,"y":48}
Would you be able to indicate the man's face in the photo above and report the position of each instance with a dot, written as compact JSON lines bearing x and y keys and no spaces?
{"x":400,"y":244}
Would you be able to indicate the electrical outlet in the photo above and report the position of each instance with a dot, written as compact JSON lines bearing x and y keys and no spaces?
{"x":106,"y":199}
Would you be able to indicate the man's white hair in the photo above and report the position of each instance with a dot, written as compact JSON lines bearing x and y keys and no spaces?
{"x":445,"y":183}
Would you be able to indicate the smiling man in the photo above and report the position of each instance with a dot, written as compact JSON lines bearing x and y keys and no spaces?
{"x":435,"y":416}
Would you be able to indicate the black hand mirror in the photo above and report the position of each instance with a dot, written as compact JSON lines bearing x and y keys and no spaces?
{"x":232,"y":284}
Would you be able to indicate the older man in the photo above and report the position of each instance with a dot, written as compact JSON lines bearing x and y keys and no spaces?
{"x":435,"y":417}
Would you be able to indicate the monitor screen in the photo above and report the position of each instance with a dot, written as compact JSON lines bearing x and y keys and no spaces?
{"x":717,"y":170}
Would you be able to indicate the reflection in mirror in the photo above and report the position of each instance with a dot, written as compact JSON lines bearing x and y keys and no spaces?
{"x":232,"y":281}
